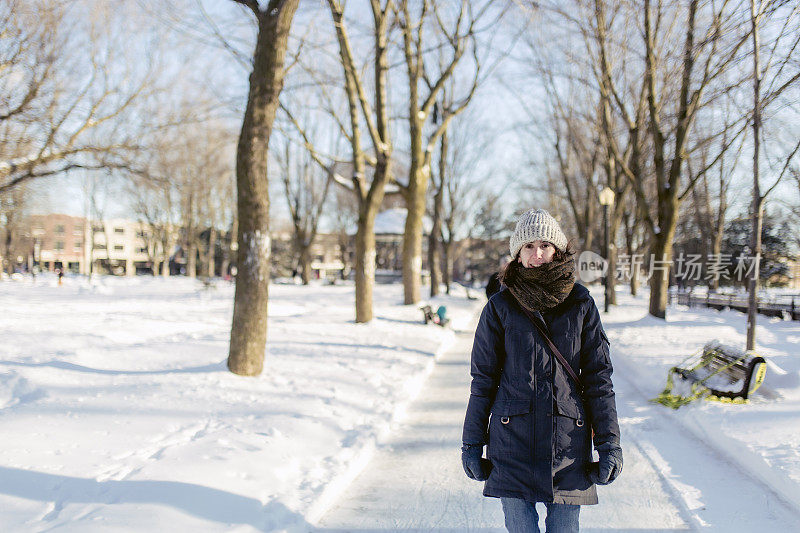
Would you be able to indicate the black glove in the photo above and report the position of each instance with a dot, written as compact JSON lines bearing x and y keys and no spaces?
{"x":610,"y":465}
{"x":475,"y":466}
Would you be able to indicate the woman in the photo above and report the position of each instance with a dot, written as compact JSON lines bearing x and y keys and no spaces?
{"x":542,"y":420}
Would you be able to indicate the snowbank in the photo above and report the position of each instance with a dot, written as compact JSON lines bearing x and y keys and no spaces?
{"x":118,"y":413}
{"x":761,"y":437}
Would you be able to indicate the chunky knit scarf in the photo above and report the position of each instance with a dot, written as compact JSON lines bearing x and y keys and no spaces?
{"x":543,"y":287}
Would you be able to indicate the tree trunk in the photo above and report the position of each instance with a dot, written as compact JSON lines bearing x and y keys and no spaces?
{"x":89,"y":251}
{"x":226,"y":257}
{"x":369,"y":195}
{"x":415,"y":204}
{"x":611,"y":292}
{"x":590,"y":219}
{"x":191,"y":257}
{"x":630,"y":250}
{"x":305,"y":263}
{"x":668,"y":177}
{"x":365,"y":262}
{"x":447,"y":262}
{"x":753,"y":281}
{"x":344,"y":242}
{"x":167,"y":244}
{"x":719,"y":224}
{"x":9,"y":263}
{"x":233,"y":247}
{"x":757,"y":203}
{"x":249,"y":327}
{"x":211,"y":261}
{"x":223,"y":269}
{"x":659,"y":281}
{"x":434,"y":264}
{"x":701,"y":209}
{"x":611,"y":222}
{"x":661,"y":260}
{"x":412,"y":240}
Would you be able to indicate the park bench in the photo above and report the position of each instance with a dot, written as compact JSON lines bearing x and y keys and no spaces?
{"x":718,"y":372}
{"x":437,"y":317}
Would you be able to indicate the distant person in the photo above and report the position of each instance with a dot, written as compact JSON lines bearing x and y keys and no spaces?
{"x":544,"y":413}
{"x":493,"y":286}
{"x":60,"y":273}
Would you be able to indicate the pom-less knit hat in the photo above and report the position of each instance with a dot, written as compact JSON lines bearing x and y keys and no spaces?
{"x":536,"y":225}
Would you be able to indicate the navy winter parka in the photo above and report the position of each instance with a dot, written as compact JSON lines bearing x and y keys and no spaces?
{"x":539,"y":431}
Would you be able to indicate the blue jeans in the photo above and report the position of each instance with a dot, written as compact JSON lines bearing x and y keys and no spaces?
{"x":521,"y":517}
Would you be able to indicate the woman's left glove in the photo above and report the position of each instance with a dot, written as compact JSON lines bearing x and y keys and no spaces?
{"x":475,"y":466}
{"x":610,"y":465}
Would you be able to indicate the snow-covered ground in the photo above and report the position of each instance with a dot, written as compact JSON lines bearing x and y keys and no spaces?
{"x":117,"y":411}
{"x":117,"y":414}
{"x":763,"y":436}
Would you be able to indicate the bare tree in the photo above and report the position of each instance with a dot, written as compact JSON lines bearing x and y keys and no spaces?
{"x":622,"y":168}
{"x":202,"y":175}
{"x":648,"y":110}
{"x":12,"y":227}
{"x":249,"y":329}
{"x":576,"y":137}
{"x":305,"y":187}
{"x":344,"y":215}
{"x":368,"y":170}
{"x":220,"y":207}
{"x":153,"y":205}
{"x":95,"y":190}
{"x":155,"y":195}
{"x":439,"y":180}
{"x":462,"y":146}
{"x":588,"y":136}
{"x":66,"y":96}
{"x":759,"y":11}
{"x":671,"y":138}
{"x":369,"y":192}
{"x":710,"y":203}
{"x":458,"y":36}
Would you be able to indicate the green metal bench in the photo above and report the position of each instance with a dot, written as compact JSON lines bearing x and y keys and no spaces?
{"x":718,"y":372}
{"x":438,"y":317}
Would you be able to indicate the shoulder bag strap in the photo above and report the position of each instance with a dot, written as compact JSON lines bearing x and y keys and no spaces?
{"x":558,"y":355}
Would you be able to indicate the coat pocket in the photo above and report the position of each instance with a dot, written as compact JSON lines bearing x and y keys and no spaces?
{"x":572,"y":436}
{"x":510,"y":428}
{"x":571,"y":410}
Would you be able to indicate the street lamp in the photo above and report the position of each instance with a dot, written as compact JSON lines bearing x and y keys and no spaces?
{"x":606,"y":199}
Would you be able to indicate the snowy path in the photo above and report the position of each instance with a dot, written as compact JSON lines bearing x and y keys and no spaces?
{"x":415,"y":480}
{"x":671,"y":482}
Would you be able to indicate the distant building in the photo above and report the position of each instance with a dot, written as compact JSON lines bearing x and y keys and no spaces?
{"x":794,"y":274}
{"x":123,"y":246}
{"x":58,"y":242}
{"x":66,"y":242}
{"x":126,"y":247}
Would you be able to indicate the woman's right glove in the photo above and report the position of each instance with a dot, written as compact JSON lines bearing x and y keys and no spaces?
{"x":610,"y":465}
{"x":475,"y":466}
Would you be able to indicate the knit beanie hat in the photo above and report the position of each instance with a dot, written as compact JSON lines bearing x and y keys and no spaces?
{"x":536,"y":225}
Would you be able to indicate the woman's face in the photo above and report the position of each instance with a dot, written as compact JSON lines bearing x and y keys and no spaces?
{"x":536,"y":253}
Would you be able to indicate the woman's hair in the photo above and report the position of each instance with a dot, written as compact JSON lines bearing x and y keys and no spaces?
{"x":559,"y":255}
